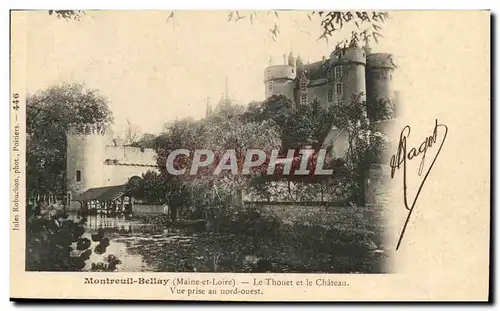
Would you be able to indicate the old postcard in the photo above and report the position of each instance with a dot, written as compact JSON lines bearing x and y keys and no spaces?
{"x":250,"y":155}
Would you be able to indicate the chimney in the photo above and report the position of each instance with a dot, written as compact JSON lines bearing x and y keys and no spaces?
{"x":323,"y":57}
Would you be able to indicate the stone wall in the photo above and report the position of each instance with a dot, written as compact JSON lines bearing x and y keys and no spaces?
{"x":131,"y":155}
{"x":148,"y":209}
{"x":92,"y":157}
{"x":368,"y":219}
{"x":377,"y":186}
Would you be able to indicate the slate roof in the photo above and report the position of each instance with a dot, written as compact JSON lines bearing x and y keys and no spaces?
{"x":101,"y":193}
{"x":316,"y":70}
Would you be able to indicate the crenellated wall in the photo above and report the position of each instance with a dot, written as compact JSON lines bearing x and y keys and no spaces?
{"x":93,"y":161}
{"x":130,"y":155}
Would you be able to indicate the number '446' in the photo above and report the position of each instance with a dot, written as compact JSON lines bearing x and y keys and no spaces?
{"x":15,"y":101}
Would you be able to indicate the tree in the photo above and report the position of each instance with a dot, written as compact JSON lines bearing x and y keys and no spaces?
{"x":149,"y":187}
{"x":49,"y":115}
{"x":178,"y":134}
{"x":382,"y":109}
{"x":365,"y":143}
{"x":277,"y":109}
{"x":67,"y":14}
{"x":240,"y":137}
{"x":225,"y":129}
{"x":299,"y":126}
{"x":146,"y":141}
{"x":132,"y":133}
{"x":367,"y":25}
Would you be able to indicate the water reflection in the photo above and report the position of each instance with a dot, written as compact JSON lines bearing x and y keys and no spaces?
{"x":134,"y":242}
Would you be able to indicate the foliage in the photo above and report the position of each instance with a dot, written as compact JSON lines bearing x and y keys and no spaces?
{"x":49,"y":115}
{"x":382,"y":110}
{"x":248,"y":221}
{"x":366,"y":25}
{"x":149,"y":188}
{"x":178,"y":134}
{"x":225,"y":129}
{"x":365,"y":143}
{"x":56,"y":243}
{"x":67,"y":14}
{"x":132,"y":133}
{"x":147,"y":140}
{"x":267,"y":125}
{"x":309,"y":125}
{"x":299,"y":125}
{"x":252,"y":240}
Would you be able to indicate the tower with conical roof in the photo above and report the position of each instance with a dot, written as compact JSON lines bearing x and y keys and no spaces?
{"x":280,"y":79}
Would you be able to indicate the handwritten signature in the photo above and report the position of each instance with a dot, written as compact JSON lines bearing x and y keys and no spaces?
{"x":399,"y":160}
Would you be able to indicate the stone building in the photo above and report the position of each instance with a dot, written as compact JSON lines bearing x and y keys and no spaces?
{"x":335,"y":80}
{"x":96,"y":164}
{"x":98,"y":168}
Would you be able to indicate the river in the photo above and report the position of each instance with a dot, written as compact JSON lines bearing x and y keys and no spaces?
{"x":145,"y":247}
{"x":138,"y":245}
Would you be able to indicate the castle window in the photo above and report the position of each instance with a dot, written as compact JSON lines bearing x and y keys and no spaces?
{"x":329,"y":77}
{"x":339,"y":89}
{"x":78,"y":175}
{"x":303,"y":83}
{"x":330,"y":95}
{"x":303,"y":98}
{"x":270,"y":87}
{"x":338,"y":72}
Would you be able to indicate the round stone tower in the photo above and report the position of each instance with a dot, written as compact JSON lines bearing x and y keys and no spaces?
{"x":347,"y":73}
{"x":280,"y":79}
{"x":85,"y":158}
{"x":379,"y":77}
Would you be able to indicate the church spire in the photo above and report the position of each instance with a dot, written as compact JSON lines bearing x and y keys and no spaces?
{"x":225,"y":99}
{"x":208,"y":109}
{"x":226,"y":94}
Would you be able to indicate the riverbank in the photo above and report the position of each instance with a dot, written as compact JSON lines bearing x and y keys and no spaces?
{"x":251,"y":242}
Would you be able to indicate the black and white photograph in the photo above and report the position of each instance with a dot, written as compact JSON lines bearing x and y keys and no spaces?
{"x":250,"y":155}
{"x":103,"y":132}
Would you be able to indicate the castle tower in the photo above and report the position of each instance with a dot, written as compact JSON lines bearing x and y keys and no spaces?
{"x":347,"y":73}
{"x":85,"y":158}
{"x":299,"y":63}
{"x":291,"y":60}
{"x":379,"y":77}
{"x":368,"y":47}
{"x":279,"y":79}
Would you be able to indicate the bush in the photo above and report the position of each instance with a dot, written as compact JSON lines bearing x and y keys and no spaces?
{"x":56,"y":243}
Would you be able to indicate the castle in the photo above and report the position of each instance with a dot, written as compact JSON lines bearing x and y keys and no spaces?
{"x":97,"y":167}
{"x":332,"y":81}
{"x":350,"y":70}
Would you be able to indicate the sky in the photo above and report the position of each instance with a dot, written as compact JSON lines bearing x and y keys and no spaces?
{"x":153,"y":71}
